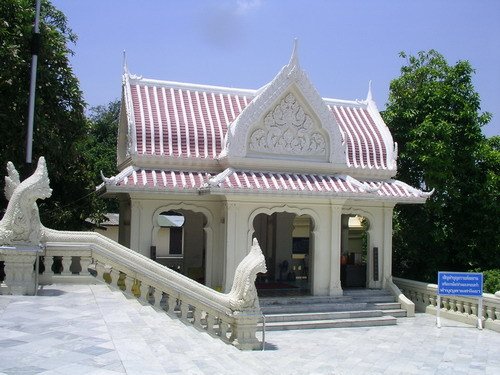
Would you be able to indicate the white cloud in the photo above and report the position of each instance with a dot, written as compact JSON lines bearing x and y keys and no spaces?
{"x":245,"y":6}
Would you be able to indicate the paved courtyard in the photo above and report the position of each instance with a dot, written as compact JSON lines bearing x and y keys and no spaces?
{"x":89,"y":329}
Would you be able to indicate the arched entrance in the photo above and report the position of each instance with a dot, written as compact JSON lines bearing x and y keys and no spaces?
{"x":179,"y":242}
{"x":354,"y":251}
{"x":287,"y":243}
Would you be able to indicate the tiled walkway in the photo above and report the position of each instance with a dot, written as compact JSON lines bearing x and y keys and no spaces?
{"x":70,"y":329}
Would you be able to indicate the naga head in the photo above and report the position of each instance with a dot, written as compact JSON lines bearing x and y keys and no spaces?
{"x":21,"y":221}
{"x":39,"y":181}
{"x":243,"y":294}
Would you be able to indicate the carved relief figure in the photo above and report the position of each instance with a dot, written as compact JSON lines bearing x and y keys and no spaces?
{"x":288,"y":129}
{"x":21,"y":222}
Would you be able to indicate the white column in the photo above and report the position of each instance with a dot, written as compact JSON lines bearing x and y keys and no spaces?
{"x":231,"y":243}
{"x":335,"y":244}
{"x":387,"y":251}
{"x":135,"y":223}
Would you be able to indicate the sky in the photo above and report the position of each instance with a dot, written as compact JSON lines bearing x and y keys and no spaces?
{"x":244,"y":43}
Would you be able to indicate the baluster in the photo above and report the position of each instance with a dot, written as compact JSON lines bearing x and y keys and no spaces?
{"x":197,"y":316}
{"x":129,"y":283}
{"x":223,"y":330}
{"x":157,"y":294}
{"x":171,"y":304}
{"x":115,"y":276}
{"x":467,"y":308}
{"x":211,"y":324}
{"x":446,"y":304}
{"x":432,"y":301}
{"x":497,"y":314}
{"x":490,"y":313}
{"x":144,"y":289}
{"x":48,"y":263}
{"x":100,"y":270}
{"x":184,"y":310}
{"x":460,"y":307}
{"x":85,"y":263}
{"x":452,"y":304}
{"x":474,"y":308}
{"x":66,"y":264}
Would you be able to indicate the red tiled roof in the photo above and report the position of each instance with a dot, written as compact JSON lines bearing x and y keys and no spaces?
{"x":256,"y":182}
{"x":192,"y":123}
{"x":159,"y":179}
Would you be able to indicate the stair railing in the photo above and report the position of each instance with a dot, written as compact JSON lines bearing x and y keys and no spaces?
{"x":231,"y":317}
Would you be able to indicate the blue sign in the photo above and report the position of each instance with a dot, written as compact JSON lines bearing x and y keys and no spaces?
{"x":460,"y":284}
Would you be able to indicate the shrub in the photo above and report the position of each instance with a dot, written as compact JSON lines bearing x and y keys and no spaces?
{"x":491,"y":280}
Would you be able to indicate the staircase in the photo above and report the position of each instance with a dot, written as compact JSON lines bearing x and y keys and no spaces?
{"x":356,"y":308}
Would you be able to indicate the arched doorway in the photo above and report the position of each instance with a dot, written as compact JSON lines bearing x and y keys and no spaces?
{"x":354,"y":251}
{"x":286,"y":242}
{"x":179,"y":242}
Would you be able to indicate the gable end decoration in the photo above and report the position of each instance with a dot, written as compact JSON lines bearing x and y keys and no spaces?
{"x":288,"y":129}
{"x":243,"y":140}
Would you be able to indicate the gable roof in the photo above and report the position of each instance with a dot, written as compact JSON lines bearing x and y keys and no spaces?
{"x":181,"y":138}
{"x":186,"y":124}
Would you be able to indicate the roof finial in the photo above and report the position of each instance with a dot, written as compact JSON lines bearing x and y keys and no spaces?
{"x":369,"y":96}
{"x":125,"y":67}
{"x":294,"y":60}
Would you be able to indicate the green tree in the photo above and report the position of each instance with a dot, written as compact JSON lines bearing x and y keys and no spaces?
{"x":99,"y":149}
{"x":434,"y":114}
{"x":60,"y":124}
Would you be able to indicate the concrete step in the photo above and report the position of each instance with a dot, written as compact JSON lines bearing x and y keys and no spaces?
{"x":314,"y":316}
{"x":387,"y":305}
{"x":397,"y":313}
{"x":331,"y":323}
{"x":355,"y":308}
{"x":316,"y":307}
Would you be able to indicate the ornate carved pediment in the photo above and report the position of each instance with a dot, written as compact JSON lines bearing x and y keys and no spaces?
{"x":287,"y":117}
{"x":288,"y":129}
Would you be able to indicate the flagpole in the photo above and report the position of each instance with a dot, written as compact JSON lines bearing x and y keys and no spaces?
{"x":34,"y":59}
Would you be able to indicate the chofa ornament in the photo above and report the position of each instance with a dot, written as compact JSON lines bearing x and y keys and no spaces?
{"x":21,"y":223}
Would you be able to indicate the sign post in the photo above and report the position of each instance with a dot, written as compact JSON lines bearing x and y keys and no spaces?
{"x":464,"y":284}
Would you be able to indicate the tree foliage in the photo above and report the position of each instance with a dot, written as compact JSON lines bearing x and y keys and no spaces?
{"x":60,"y":123}
{"x":435,"y":116}
{"x":99,"y":148}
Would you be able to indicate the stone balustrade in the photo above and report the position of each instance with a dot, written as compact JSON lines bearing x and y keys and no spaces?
{"x":463,"y":309}
{"x":65,"y":264}
{"x":33,"y":254}
{"x":231,"y":317}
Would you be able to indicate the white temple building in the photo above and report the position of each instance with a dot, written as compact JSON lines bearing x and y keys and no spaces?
{"x":204,"y":169}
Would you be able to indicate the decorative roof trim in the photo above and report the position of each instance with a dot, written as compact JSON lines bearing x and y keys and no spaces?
{"x":216,"y":180}
{"x":420,"y":193}
{"x":137,"y":80}
{"x":390,"y":145}
{"x":129,"y":111}
{"x":361,"y":185}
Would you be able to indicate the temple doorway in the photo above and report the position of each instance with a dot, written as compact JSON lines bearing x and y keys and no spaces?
{"x":179,"y":242}
{"x":354,"y":250}
{"x":286,"y":242}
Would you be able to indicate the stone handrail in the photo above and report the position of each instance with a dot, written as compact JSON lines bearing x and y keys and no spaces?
{"x":232,"y":317}
{"x":462,"y":309}
{"x":406,"y":303}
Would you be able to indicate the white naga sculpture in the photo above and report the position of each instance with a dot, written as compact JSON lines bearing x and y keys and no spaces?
{"x":21,"y":222}
{"x":243,"y":294}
